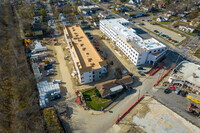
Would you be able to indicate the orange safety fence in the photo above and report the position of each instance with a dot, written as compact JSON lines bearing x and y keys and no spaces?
{"x":119,"y":118}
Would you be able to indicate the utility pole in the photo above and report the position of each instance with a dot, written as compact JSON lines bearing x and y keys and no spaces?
{"x":139,"y":94}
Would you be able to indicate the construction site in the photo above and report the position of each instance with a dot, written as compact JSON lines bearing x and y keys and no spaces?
{"x":151,"y":116}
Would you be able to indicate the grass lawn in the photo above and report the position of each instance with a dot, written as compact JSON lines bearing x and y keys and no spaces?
{"x":168,"y":22}
{"x":197,"y":53}
{"x":195,"y":33}
{"x":93,"y":101}
{"x":51,"y":120}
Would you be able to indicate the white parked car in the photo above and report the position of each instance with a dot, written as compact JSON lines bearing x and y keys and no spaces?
{"x":50,"y":70}
{"x":57,"y":81}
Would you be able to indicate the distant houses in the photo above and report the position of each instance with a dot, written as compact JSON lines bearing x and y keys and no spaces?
{"x":162,"y":19}
{"x":195,"y":22}
{"x":186,"y":27}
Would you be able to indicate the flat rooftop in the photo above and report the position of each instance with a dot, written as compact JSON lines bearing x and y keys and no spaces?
{"x":88,"y":7}
{"x":129,"y":35}
{"x":85,"y":55}
{"x":186,"y":70}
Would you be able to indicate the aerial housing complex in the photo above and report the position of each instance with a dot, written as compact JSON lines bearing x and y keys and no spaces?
{"x":88,"y":63}
{"x":139,"y":51}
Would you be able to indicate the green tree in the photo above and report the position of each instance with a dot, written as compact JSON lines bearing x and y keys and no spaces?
{"x":167,"y":2}
{"x":43,"y":12}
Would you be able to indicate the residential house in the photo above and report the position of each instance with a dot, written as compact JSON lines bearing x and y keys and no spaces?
{"x":37,"y":16}
{"x":131,"y":2}
{"x":114,"y":86}
{"x":88,"y":9}
{"x":38,"y":5}
{"x":161,"y":5}
{"x":181,"y":14}
{"x":195,"y":22}
{"x":96,"y":24}
{"x":61,"y":3}
{"x":103,"y":15}
{"x":146,"y":9}
{"x":62,"y":17}
{"x":186,"y":27}
{"x":162,"y":19}
{"x":185,"y":20}
{"x":37,"y":29}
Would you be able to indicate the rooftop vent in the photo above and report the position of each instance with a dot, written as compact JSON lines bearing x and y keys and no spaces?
{"x":89,"y":59}
{"x":199,"y":68}
{"x":92,"y":64}
{"x":84,"y":49}
{"x":82,"y":44}
{"x":194,"y":75}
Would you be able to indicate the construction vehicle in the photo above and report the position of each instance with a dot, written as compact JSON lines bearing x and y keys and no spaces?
{"x":194,"y":98}
{"x":101,"y":37}
{"x":27,"y":42}
{"x":194,"y":110}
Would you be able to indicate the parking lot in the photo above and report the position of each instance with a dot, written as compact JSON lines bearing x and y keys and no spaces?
{"x":106,"y":49}
{"x":162,"y":32}
{"x":177,"y":103}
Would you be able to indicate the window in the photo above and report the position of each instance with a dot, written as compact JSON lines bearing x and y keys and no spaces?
{"x":154,"y":50}
{"x":99,"y":72}
{"x":93,"y":72}
{"x":158,"y":50}
{"x":150,"y":52}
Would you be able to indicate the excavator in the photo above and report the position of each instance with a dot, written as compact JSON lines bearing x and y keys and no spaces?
{"x":27,"y":42}
{"x":194,"y":110}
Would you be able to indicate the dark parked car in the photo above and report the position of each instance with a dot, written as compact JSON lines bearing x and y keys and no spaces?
{"x":140,"y":68}
{"x":87,"y":33}
{"x":167,"y":91}
{"x":48,"y":66}
{"x":54,"y":97}
{"x":184,"y":93}
{"x":156,"y":31}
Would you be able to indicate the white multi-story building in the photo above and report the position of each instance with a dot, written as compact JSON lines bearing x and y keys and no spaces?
{"x":139,"y":51}
{"x":88,"y":63}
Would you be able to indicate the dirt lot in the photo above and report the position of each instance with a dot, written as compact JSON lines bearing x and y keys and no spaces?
{"x":153,"y":117}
